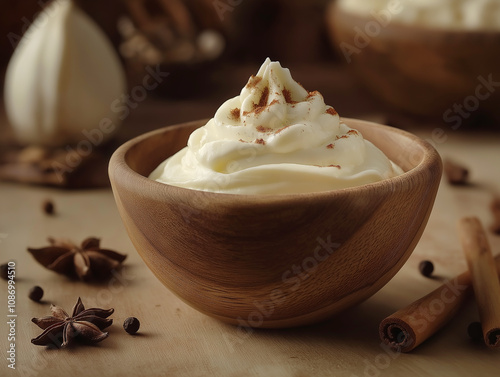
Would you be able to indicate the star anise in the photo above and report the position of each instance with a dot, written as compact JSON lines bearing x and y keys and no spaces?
{"x":84,"y":325}
{"x":86,"y":262}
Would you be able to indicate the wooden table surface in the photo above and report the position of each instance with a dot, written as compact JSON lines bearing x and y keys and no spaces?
{"x":176,"y":340}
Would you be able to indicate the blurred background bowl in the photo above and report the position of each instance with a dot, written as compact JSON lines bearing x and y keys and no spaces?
{"x":421,"y":70}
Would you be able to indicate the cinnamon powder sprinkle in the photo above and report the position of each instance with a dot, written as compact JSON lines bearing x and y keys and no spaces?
{"x":312,"y":94}
{"x":330,"y":146}
{"x":352,"y":132}
{"x":260,"y":141}
{"x":235,"y":114}
{"x":341,"y":137}
{"x":288,"y":96}
{"x":264,"y":97}
{"x":260,"y":109}
{"x":264,"y":129}
{"x":281,"y":129}
{"x":331,"y":111}
{"x":262,"y":105}
{"x":253,"y":81}
{"x":329,"y":166}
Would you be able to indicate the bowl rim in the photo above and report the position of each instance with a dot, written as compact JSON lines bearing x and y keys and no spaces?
{"x":432,"y":29}
{"x":118,"y":164}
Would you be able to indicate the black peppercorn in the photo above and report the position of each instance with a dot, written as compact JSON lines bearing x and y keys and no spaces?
{"x":475,"y":331}
{"x":36,"y":293}
{"x":426,"y":268}
{"x":4,"y":271}
{"x":131,"y":325}
{"x":48,"y":207}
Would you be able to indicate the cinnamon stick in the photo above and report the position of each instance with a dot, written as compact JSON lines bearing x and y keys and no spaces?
{"x":484,"y":277}
{"x":411,"y":326}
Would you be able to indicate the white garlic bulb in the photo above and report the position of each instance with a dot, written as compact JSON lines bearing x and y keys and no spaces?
{"x":62,"y":79}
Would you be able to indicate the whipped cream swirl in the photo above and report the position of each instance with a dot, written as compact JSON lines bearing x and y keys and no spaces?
{"x":275,"y":138}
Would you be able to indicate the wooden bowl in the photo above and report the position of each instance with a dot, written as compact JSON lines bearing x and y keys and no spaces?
{"x":421,"y":70}
{"x":276,"y":260}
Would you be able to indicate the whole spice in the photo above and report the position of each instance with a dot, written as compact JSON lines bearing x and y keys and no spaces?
{"x":411,"y":326}
{"x":87,"y":261}
{"x":475,"y":331}
{"x":131,"y":325}
{"x":48,"y":207}
{"x":455,"y":173}
{"x":36,"y":293}
{"x":4,"y":268}
{"x":32,"y":154}
{"x":84,"y":325}
{"x":50,"y":167}
{"x":484,"y":277}
{"x":426,"y":268}
{"x":495,"y":210}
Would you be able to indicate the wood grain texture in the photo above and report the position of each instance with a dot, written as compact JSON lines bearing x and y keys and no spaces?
{"x":281,"y":260}
{"x":421,"y":70}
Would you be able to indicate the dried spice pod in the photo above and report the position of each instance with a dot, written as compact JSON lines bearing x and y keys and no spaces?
{"x":84,"y":325}
{"x":86,"y":262}
{"x":455,"y":173}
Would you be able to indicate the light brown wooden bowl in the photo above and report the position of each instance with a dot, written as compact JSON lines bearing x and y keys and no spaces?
{"x":421,"y":70}
{"x":269,"y":261}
